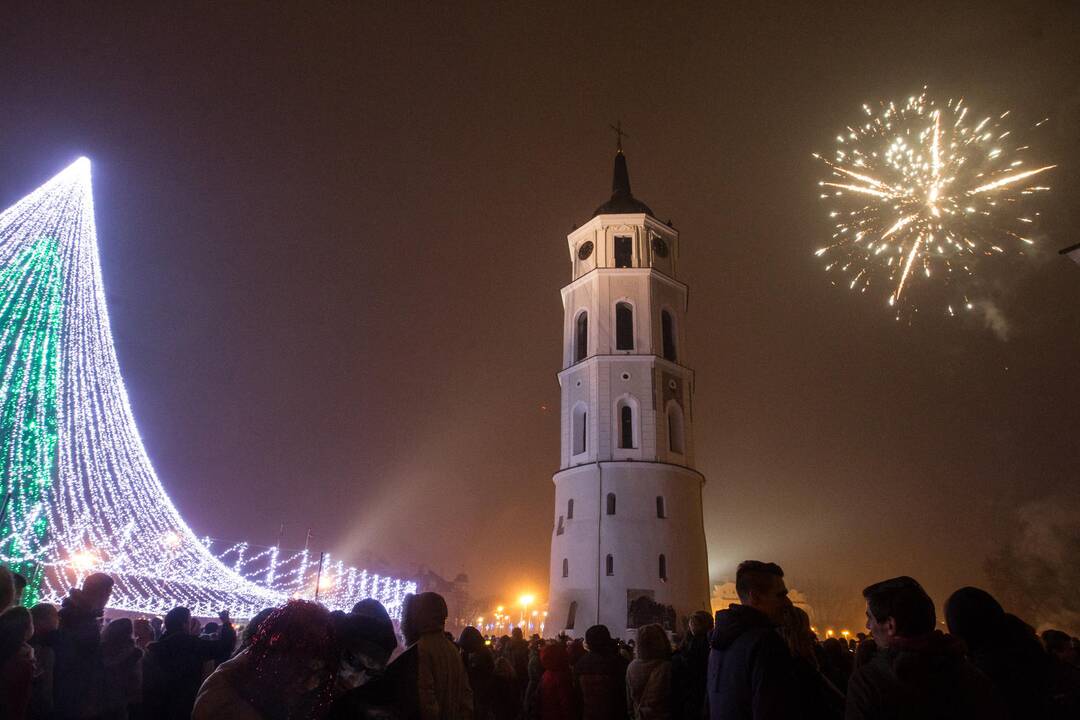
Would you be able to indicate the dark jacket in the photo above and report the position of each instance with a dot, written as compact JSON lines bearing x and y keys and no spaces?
{"x":922,"y":678}
{"x":750,"y":669}
{"x":41,"y":699}
{"x":173,"y":671}
{"x":601,"y":680}
{"x":389,"y":696}
{"x":689,"y":670}
{"x":557,"y":696}
{"x":78,"y":669}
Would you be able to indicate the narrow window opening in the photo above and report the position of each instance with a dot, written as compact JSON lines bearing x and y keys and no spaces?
{"x":565,"y":567}
{"x":667,"y":328}
{"x":571,"y":615}
{"x":570,"y":509}
{"x":580,"y":429}
{"x":663,"y":568}
{"x":624,"y":252}
{"x":624,"y":326}
{"x":626,"y":426}
{"x":611,"y":503}
{"x":675,"y":429}
{"x":661,"y":511}
{"x":560,"y":529}
{"x":581,"y":337}
{"x":609,"y":565}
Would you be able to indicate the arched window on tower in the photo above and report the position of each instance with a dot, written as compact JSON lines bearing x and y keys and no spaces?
{"x":581,"y":336}
{"x":565,"y":567}
{"x":560,"y":528}
{"x":676,"y":440}
{"x":624,"y":252}
{"x":580,"y":429}
{"x":661,"y":511}
{"x":611,"y":503}
{"x":570,"y":509}
{"x":663,"y":567}
{"x":626,"y":425}
{"x":571,"y":616}
{"x":609,"y":565}
{"x":667,"y":330}
{"x":624,"y":326}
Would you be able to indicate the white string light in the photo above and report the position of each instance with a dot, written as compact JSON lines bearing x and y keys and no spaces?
{"x":84,"y":495}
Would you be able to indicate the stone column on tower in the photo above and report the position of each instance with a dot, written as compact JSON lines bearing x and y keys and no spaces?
{"x":628,"y":543}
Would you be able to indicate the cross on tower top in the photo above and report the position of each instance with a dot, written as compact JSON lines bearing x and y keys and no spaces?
{"x":619,"y":134}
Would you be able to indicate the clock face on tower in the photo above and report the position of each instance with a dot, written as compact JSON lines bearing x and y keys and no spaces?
{"x":585,"y":250}
{"x":659,"y":246}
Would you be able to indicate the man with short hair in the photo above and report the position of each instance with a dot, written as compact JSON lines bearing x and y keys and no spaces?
{"x":750,"y":669}
{"x":173,"y":668}
{"x":918,"y":672}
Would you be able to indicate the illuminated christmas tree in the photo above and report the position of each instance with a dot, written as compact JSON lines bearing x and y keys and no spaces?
{"x":81,"y":493}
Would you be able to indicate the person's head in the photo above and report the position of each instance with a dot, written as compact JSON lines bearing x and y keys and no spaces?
{"x":211,"y":628}
{"x":470,"y":641}
{"x":7,"y":589}
{"x":700,"y":623}
{"x":177,"y":620}
{"x":19,"y":581}
{"x":143,"y":632}
{"x":46,"y":618}
{"x":652,"y":643}
{"x":365,"y":644}
{"x":292,"y":661}
{"x":974,"y":616}
{"x":795,"y":629}
{"x":370,"y":607}
{"x":118,"y":633}
{"x":1060,"y":645}
{"x":517,"y":634}
{"x":96,"y":588}
{"x":16,"y":628}
{"x":760,"y":585}
{"x":598,"y":639}
{"x":422,"y":614}
{"x":898,"y":608}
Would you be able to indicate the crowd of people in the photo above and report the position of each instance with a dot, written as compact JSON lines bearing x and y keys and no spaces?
{"x":756,"y":659}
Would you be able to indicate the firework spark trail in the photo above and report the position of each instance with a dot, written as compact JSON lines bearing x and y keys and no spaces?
{"x":915,"y":185}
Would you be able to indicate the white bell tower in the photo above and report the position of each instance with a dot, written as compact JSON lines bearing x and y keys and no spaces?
{"x":628,"y":545}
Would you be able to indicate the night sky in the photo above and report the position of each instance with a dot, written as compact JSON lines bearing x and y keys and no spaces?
{"x":333,"y":241}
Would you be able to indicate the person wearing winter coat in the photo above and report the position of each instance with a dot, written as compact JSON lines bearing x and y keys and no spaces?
{"x":480,"y":667}
{"x":689,"y":668}
{"x":750,"y":669}
{"x":79,"y":669}
{"x":556,"y":697}
{"x":1009,"y":653}
{"x":122,"y":661}
{"x":507,"y":701}
{"x":46,"y":624}
{"x":918,"y":672}
{"x":818,"y":698}
{"x":600,"y":676}
{"x":648,"y":676}
{"x":173,"y":668}
{"x":286,"y":673}
{"x":443,"y":690}
{"x":16,"y":662}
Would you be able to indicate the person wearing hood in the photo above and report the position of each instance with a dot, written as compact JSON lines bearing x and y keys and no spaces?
{"x":750,"y":668}
{"x":689,"y":667}
{"x":918,"y":671}
{"x":600,"y":676}
{"x":480,"y":667}
{"x":443,"y":690}
{"x":556,"y":697}
{"x":648,"y":677}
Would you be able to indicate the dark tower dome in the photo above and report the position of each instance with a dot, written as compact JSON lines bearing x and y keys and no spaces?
{"x":622,"y":200}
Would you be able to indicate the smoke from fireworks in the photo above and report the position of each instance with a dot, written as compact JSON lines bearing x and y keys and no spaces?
{"x":923,"y":192}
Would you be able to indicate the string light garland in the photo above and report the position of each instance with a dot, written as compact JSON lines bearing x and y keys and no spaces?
{"x":83,"y":495}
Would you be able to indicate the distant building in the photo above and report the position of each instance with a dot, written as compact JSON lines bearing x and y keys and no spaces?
{"x":628,"y":542}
